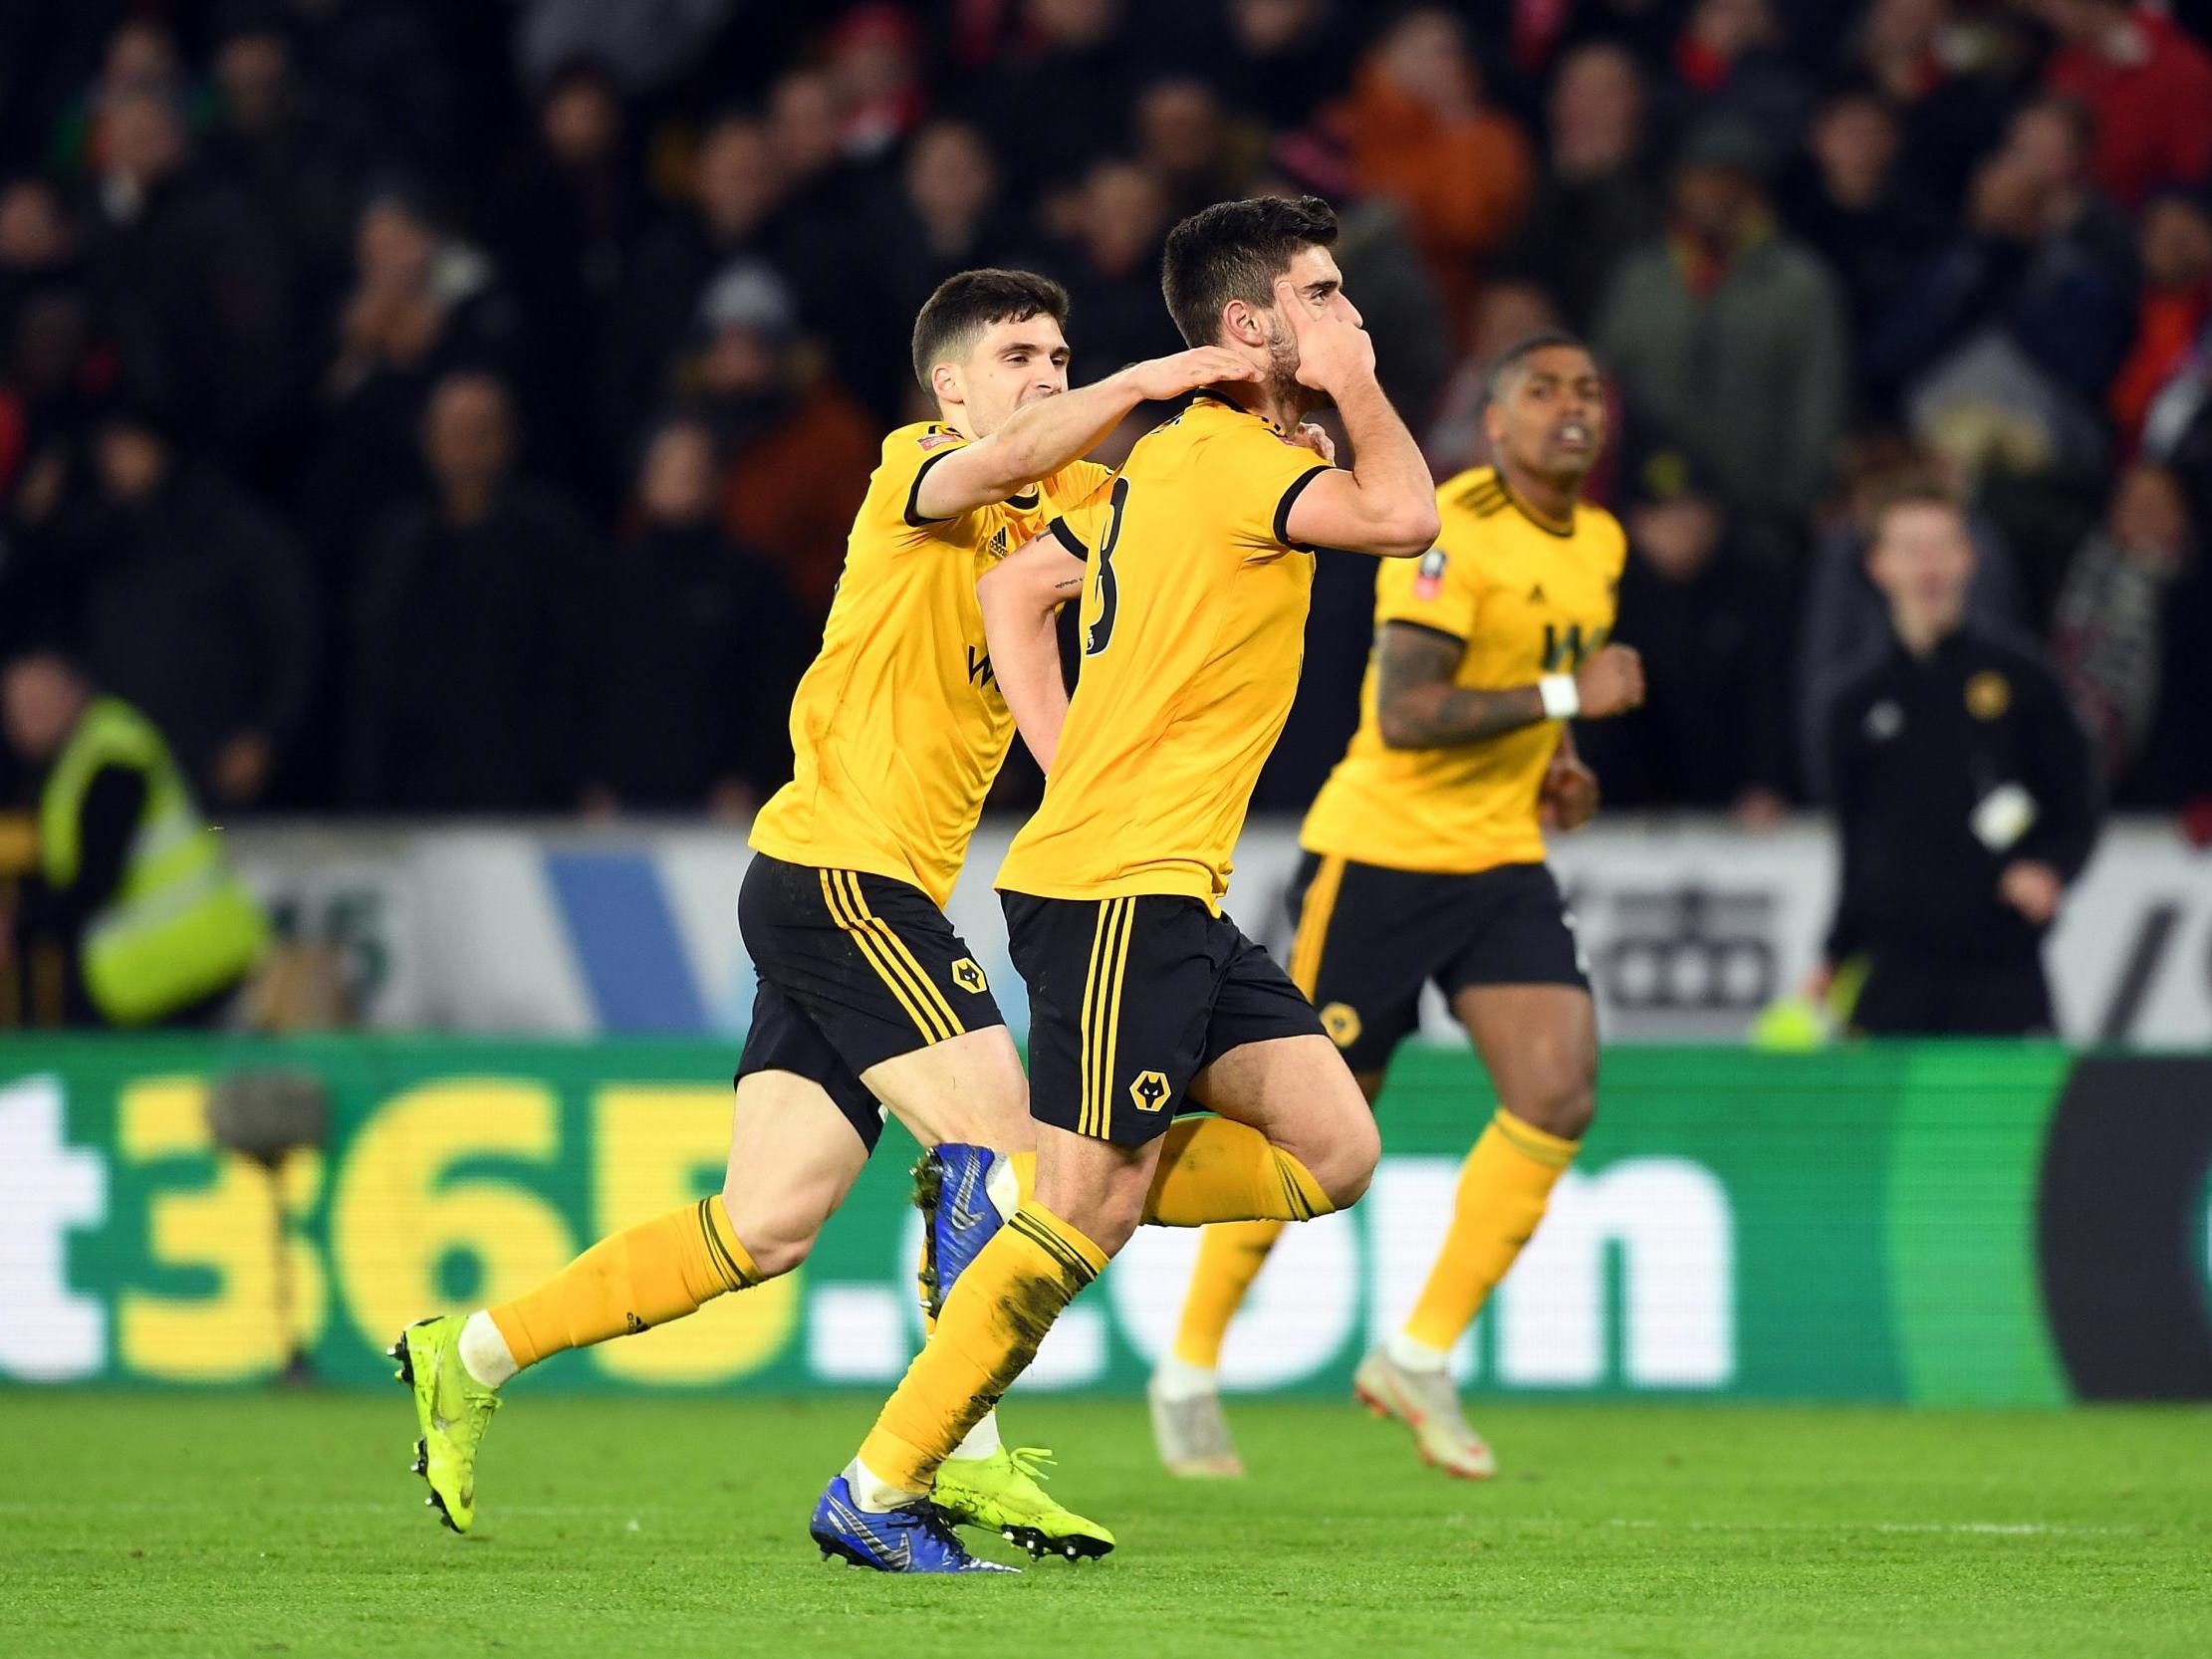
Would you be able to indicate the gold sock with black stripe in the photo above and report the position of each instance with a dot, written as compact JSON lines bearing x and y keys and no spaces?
{"x":1230,"y":1256}
{"x":1214,"y":1170}
{"x":987,"y":1334}
{"x":1505,"y":1186}
{"x":632,"y":1280}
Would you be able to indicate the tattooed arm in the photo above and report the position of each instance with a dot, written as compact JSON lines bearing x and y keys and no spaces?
{"x":1419,"y":707}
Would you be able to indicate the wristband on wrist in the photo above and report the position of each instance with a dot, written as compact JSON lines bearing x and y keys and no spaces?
{"x":1562,"y":699}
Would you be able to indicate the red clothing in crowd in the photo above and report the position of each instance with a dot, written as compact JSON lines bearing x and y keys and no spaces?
{"x":2153,"y":106}
{"x":2166,"y":327}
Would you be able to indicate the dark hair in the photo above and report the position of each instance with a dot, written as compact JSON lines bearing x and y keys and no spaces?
{"x":1235,"y":250}
{"x":1527,"y":347}
{"x":970,"y":302}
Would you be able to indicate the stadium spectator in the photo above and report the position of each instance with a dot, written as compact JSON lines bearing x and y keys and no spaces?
{"x":423,"y":304}
{"x":1729,"y":65}
{"x":275,"y":141}
{"x":1966,"y":795}
{"x":196,"y":606}
{"x":1694,"y":325}
{"x":727,"y":212}
{"x":1855,"y":207}
{"x":1183,"y":140}
{"x":1595,"y":200}
{"x":1060,"y":94}
{"x":468,"y":669}
{"x":943,"y":216}
{"x":2006,"y":339}
{"x":140,"y":57}
{"x":2116,"y":614}
{"x":2172,"y":312}
{"x":564,"y":227}
{"x":1284,"y":59}
{"x":875,"y":66}
{"x":699,"y":646}
{"x":1701,"y":611}
{"x":1111,"y":272}
{"x":800,"y":448}
{"x":193,"y":286}
{"x":2149,"y":87}
{"x":1932,"y":65}
{"x":1419,"y":131}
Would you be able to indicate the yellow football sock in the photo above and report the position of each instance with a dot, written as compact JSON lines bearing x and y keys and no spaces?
{"x":1217,"y":1170}
{"x":987,"y":1334}
{"x":1230,"y":1256}
{"x":643,"y":1276}
{"x":1503,"y":1187}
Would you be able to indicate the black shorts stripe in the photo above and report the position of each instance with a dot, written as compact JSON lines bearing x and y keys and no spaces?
{"x":835,"y":895}
{"x":901,"y":952}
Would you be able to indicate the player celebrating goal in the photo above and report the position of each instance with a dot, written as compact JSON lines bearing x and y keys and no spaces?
{"x":1424,"y":863}
{"x":869,"y":1000}
{"x":1141,"y":993}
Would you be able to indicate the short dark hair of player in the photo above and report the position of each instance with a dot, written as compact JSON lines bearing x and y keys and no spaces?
{"x":1235,"y":250}
{"x":1519,"y":353}
{"x":954,"y":317}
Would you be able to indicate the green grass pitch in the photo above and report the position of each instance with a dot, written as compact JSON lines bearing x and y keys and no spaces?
{"x":187,"y":1524}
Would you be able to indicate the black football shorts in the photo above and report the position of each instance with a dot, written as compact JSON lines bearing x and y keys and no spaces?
{"x":855,"y":969}
{"x":1368,"y":938}
{"x":1132,"y":998}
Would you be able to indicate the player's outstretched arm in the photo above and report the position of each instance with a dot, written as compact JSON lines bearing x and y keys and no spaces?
{"x":1418,"y":705}
{"x":1042,"y":437}
{"x":1386,"y":503}
{"x":1019,"y":596}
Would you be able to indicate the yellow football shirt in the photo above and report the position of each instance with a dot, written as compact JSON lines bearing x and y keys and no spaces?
{"x":1193,"y":631}
{"x":1528,"y":600}
{"x":898,"y":727}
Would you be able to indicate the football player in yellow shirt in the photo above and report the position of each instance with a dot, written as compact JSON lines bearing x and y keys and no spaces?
{"x":1424,"y":864}
{"x":1143,"y":996}
{"x":868,"y":999}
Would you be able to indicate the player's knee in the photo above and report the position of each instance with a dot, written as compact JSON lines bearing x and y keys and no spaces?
{"x":1561,"y":1096}
{"x":1346,"y":1167}
{"x":775,"y":1241}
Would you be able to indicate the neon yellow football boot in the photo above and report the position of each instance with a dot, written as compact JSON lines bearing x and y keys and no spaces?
{"x":452,"y":1409}
{"x":1002,"y":1492}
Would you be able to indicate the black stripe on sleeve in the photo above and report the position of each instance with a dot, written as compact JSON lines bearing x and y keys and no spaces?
{"x":1290,"y":500}
{"x":1068,"y":538}
{"x":915,"y":518}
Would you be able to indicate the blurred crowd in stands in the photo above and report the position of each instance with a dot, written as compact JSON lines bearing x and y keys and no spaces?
{"x":459,"y":406}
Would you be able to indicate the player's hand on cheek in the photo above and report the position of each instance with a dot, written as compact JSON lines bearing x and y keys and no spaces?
{"x":1332,"y":351}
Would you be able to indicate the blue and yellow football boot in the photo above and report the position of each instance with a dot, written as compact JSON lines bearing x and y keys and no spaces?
{"x":913,"y":1538}
{"x":965,"y":1194}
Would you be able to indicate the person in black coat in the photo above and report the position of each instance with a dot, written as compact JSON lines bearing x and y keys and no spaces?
{"x":196,"y":605}
{"x":468,"y":676}
{"x":1966,"y":795}
{"x":700,"y":646}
